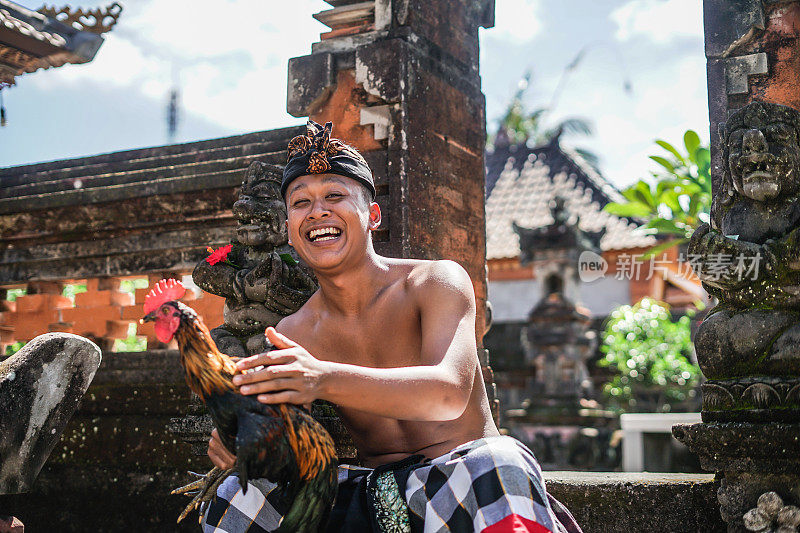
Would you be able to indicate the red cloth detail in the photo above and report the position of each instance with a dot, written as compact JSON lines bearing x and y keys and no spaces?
{"x":515,"y":523}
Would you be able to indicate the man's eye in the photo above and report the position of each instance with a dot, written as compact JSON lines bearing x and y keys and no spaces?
{"x":298,"y":203}
{"x":335,"y":195}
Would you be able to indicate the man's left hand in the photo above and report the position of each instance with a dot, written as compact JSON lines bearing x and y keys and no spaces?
{"x":289,"y":375}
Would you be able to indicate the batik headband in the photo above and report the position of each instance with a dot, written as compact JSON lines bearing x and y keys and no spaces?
{"x":317,"y":153}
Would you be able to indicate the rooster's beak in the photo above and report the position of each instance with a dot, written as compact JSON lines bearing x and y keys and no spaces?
{"x":149,"y":317}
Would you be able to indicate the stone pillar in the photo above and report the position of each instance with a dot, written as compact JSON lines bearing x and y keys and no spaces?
{"x":399,"y":80}
{"x":748,"y":346}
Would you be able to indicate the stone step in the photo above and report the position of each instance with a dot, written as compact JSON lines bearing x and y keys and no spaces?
{"x":83,"y":171}
{"x":126,"y":191}
{"x":133,"y":176}
{"x":270,"y":136}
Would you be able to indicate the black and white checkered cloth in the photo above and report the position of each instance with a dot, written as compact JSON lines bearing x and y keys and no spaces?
{"x":487,"y":485}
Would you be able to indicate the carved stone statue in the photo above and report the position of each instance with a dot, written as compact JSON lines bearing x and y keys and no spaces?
{"x":261,"y":280}
{"x":749,"y":258}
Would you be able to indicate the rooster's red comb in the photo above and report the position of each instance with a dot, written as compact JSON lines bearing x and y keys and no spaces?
{"x":165,"y":290}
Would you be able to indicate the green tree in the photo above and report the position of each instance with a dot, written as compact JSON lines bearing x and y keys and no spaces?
{"x":649,"y":355}
{"x":679,"y":198}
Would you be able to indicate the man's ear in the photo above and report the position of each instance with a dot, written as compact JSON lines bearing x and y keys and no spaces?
{"x":288,"y":237}
{"x":374,"y":216}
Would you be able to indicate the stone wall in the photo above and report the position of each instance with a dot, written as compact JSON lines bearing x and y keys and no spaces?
{"x":147,"y":212}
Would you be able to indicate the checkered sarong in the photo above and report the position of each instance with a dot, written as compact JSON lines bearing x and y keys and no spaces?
{"x":491,"y":485}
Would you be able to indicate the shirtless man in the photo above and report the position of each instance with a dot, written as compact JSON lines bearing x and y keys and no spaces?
{"x":390,"y":342}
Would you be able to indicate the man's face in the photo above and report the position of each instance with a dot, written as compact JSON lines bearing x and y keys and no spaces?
{"x":329,"y":220}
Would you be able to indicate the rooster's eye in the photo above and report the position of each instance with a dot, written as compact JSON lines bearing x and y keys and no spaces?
{"x":164,"y":311}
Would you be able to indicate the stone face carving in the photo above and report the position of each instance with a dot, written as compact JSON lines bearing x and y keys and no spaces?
{"x":260,"y":287}
{"x":749,"y":257}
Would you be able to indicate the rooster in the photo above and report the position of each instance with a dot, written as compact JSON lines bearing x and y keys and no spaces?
{"x":282,"y":442}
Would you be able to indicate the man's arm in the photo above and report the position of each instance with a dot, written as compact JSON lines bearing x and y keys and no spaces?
{"x":436,"y":389}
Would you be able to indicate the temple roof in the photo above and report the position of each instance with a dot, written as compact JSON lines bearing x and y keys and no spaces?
{"x":522,"y":183}
{"x":49,"y":37}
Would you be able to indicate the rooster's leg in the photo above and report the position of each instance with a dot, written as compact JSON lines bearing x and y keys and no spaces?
{"x":203,"y":490}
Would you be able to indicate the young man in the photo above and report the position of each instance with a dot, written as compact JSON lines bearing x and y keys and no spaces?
{"x":390,"y":342}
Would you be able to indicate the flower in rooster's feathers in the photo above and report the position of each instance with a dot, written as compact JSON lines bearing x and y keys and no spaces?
{"x":219,"y":255}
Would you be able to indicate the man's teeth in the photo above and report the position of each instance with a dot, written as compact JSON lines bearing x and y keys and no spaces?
{"x":324,"y":234}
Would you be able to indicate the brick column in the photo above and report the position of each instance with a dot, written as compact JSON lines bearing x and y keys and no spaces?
{"x":400,"y":81}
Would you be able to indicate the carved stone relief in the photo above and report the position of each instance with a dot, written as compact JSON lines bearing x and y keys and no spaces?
{"x":749,"y":254}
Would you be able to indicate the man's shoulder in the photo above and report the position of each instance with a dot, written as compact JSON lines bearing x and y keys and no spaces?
{"x":440,"y":278}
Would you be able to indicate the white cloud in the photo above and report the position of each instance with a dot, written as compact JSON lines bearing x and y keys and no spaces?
{"x":667,"y":101}
{"x":658,"y":20}
{"x":517,"y":21}
{"x":229,"y":56}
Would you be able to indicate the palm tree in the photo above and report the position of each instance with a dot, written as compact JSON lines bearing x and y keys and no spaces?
{"x":520,"y":126}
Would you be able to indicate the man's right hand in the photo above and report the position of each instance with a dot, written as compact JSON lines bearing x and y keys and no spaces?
{"x":219,"y":454}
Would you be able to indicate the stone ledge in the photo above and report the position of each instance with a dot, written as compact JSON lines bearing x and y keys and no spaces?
{"x":602,"y":502}
{"x":609,"y":502}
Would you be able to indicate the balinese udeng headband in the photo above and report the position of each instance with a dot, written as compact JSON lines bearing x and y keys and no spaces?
{"x":317,"y":153}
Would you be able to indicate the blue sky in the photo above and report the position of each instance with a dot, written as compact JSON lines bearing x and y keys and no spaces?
{"x":229,"y":59}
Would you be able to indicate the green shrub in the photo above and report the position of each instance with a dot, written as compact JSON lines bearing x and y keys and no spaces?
{"x":649,"y":355}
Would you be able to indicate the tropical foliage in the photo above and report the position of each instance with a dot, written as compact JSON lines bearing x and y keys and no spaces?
{"x":649,"y":355}
{"x":679,"y":197}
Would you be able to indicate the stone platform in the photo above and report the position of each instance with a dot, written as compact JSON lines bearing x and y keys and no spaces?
{"x":613,"y":502}
{"x":94,"y":500}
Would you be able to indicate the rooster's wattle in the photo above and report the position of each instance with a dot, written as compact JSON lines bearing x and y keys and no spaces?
{"x":282,"y":442}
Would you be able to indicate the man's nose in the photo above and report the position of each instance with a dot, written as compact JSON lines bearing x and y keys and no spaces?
{"x":754,"y":142}
{"x":318,"y":210}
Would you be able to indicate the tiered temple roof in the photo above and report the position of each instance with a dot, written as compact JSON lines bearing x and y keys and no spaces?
{"x":521,"y":184}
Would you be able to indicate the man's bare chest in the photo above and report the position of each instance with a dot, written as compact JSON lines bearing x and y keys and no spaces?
{"x":386,"y":336}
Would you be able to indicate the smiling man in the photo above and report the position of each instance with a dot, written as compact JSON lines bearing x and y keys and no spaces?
{"x":390,"y":342}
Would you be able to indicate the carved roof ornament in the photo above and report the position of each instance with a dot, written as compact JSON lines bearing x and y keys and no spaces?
{"x":99,"y":20}
{"x":539,"y":242}
{"x":51,"y":37}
